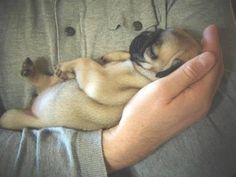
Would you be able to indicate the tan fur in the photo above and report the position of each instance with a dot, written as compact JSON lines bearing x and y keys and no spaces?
{"x":86,"y":95}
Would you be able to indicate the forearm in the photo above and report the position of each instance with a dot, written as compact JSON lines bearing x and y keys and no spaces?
{"x":126,"y":149}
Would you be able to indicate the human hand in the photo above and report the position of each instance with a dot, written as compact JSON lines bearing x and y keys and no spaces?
{"x":165,"y":107}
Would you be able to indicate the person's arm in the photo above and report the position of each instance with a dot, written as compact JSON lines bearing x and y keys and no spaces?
{"x":165,"y":107}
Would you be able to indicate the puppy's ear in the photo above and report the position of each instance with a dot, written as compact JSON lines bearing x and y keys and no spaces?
{"x":175,"y":65}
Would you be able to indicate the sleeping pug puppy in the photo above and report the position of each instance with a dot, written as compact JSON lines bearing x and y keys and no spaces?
{"x":86,"y":95}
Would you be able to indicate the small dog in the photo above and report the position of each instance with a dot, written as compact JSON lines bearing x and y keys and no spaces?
{"x":86,"y":95}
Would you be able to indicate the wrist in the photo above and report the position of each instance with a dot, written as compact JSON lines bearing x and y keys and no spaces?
{"x":109,"y":149}
{"x":125,"y":147}
{"x":116,"y":150}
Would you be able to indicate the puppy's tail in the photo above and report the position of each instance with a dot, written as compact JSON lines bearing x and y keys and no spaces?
{"x":16,"y":119}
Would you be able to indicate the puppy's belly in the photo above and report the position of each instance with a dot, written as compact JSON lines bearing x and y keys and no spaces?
{"x":66,"y":105}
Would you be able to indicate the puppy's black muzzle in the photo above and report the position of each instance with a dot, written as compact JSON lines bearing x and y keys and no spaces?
{"x":141,"y":43}
{"x":175,"y":65}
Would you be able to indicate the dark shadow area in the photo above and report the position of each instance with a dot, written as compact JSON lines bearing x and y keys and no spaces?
{"x":234,"y":6}
{"x":2,"y":108}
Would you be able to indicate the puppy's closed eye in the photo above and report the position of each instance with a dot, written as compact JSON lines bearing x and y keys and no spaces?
{"x":153,"y":53}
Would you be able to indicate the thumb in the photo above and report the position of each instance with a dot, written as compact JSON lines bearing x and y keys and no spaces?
{"x":189,"y":73}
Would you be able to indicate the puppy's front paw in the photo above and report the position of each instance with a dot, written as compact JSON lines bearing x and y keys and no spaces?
{"x":28,"y":68}
{"x":63,"y":72}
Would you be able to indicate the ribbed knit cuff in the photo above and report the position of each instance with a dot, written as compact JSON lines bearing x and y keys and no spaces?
{"x":90,"y":154}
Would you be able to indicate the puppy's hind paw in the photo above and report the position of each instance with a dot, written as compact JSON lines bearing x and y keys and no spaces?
{"x":27,"y":68}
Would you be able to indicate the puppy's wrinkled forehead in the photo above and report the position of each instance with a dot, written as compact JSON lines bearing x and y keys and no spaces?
{"x":141,"y":42}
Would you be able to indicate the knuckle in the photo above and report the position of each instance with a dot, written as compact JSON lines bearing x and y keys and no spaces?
{"x":191,"y":71}
{"x":202,"y":103}
{"x":205,"y":107}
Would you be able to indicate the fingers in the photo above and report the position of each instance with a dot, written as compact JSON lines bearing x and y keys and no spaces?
{"x":211,"y":81}
{"x":188,"y":74}
{"x":210,"y":40}
{"x":202,"y":74}
{"x":211,"y":43}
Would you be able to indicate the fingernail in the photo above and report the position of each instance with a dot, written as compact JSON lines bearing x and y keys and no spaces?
{"x":212,"y":28}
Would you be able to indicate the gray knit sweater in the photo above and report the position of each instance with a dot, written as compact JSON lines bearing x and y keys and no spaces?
{"x":57,"y":30}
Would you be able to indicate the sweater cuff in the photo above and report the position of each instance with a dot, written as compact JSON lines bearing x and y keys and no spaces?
{"x":90,"y":154}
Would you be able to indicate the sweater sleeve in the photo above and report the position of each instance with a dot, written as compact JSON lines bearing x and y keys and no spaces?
{"x":51,"y":152}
